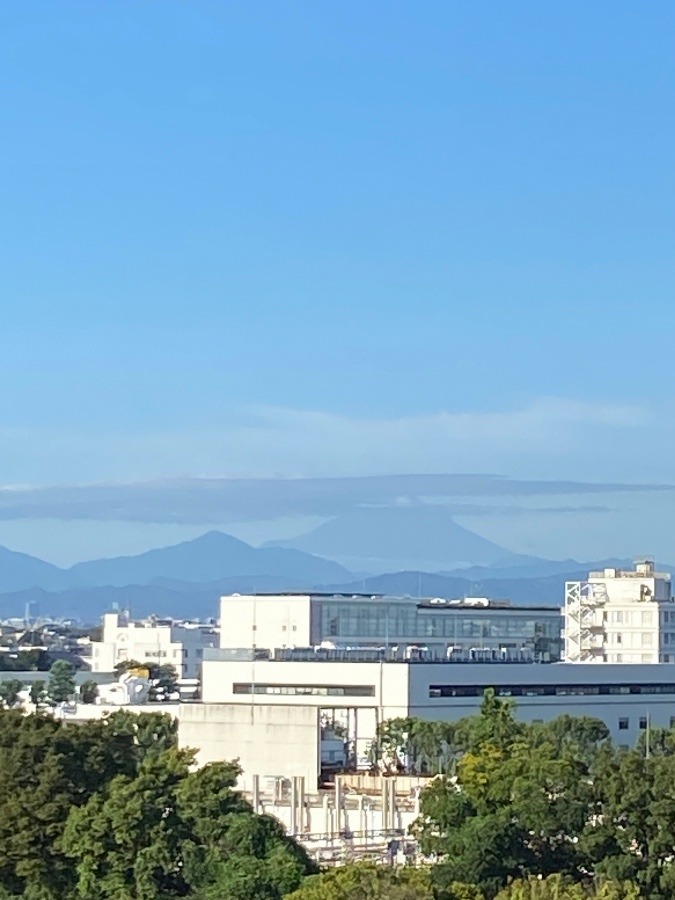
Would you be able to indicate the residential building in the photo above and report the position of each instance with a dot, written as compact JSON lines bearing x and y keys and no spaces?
{"x":180,"y":644}
{"x":620,"y":616}
{"x":433,"y":628}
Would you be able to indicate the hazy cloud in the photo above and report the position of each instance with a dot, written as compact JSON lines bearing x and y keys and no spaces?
{"x":221,"y":500}
{"x":549,"y":438}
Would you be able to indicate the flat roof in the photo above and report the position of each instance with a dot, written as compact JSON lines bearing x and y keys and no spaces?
{"x":328,"y":594}
{"x":431,"y":603}
{"x":491,"y":608}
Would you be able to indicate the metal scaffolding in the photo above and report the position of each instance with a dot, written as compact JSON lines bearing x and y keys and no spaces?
{"x":584,"y":621}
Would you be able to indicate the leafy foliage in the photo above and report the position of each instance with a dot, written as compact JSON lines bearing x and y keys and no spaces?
{"x":112,"y":809}
{"x":88,"y":692}
{"x":546,"y":801}
{"x":61,"y":681}
{"x":9,"y":692}
{"x":366,"y":881}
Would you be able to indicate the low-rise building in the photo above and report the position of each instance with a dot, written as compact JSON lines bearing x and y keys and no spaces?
{"x":181,"y":645}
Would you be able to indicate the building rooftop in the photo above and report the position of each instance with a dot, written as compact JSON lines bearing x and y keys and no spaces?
{"x":327,"y":594}
{"x":488,"y":607}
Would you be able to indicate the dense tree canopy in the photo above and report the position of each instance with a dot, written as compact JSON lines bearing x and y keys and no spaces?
{"x":367,"y":881}
{"x":555,"y":799}
{"x":112,"y":809}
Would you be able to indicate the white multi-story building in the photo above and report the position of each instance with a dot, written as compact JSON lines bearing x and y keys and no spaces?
{"x":269,"y":712}
{"x":436,"y":628}
{"x":181,"y":645}
{"x":620,"y":616}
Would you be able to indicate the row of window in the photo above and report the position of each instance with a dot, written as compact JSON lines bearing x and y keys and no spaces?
{"x":313,"y":690}
{"x":627,"y":617}
{"x":549,"y":690}
{"x":624,"y":723}
{"x":382,"y":620}
{"x":641,"y":639}
{"x":633,"y":658}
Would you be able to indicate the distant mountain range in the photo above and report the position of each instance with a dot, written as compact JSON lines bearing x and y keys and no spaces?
{"x":187,"y":579}
{"x":384,"y":539}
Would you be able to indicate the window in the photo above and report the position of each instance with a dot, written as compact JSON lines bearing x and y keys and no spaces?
{"x":549,"y":690}
{"x":623,"y":724}
{"x":618,"y":638}
{"x":643,"y":723}
{"x":672,"y":721}
{"x":200,"y":654}
{"x":646,"y":617}
{"x":312,"y":690}
{"x":647,"y":640}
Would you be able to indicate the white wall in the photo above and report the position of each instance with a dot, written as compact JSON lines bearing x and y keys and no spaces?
{"x":267,"y":740}
{"x":388,"y":681}
{"x":265,"y":621}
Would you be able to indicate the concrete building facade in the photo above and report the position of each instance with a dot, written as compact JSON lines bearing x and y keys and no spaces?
{"x":152,"y":641}
{"x":439,"y":628}
{"x":620,"y":616}
{"x":625,"y":697}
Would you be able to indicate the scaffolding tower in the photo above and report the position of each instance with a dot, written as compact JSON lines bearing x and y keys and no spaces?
{"x":585,"y":635}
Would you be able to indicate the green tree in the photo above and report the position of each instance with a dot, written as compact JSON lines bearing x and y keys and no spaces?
{"x":517,"y":805}
{"x":46,"y":769}
{"x":9,"y":692}
{"x":632,"y":835}
{"x":126,"y":664}
{"x":61,"y":681}
{"x":88,"y":692}
{"x":413,"y":745}
{"x":164,"y":681}
{"x":170,"y":832}
{"x":558,"y":887}
{"x":151,"y":732}
{"x":38,"y":693}
{"x":127,"y":843}
{"x":367,"y":881}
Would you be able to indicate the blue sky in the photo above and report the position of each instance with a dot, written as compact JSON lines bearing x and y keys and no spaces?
{"x":312,"y":239}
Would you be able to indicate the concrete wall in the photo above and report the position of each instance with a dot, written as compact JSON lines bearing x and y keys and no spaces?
{"x":323,"y":686}
{"x":274,"y":621}
{"x":267,"y":740}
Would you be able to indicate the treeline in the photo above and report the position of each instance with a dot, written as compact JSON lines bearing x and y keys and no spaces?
{"x":112,"y":810}
{"x":366,"y":881}
{"x":555,"y":807}
{"x":35,"y":660}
